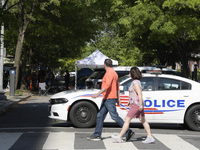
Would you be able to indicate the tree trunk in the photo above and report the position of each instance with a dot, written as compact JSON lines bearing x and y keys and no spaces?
{"x":185,"y":67}
{"x":182,"y":49}
{"x":18,"y":52}
{"x":23,"y":69}
{"x":24,"y":21}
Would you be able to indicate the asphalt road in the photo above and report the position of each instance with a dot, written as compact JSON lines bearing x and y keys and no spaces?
{"x":27,"y":126}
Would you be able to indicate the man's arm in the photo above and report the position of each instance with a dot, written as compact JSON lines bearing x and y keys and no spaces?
{"x":100,"y":92}
{"x":118,"y":98}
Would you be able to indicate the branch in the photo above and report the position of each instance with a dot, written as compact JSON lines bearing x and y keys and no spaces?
{"x":4,"y":5}
{"x":12,"y":5}
{"x":31,"y":14}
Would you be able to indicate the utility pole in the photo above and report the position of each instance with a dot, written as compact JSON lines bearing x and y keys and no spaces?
{"x":2,"y":96}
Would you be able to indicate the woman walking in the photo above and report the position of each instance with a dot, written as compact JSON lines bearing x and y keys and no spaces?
{"x":136,"y":110}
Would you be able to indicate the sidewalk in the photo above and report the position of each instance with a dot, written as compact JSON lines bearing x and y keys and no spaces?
{"x":12,"y":100}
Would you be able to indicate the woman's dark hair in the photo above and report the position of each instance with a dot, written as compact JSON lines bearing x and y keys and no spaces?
{"x":108,"y":62}
{"x":135,"y":73}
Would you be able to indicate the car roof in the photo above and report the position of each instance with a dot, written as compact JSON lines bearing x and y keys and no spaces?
{"x":171,"y":76}
{"x":127,"y":68}
{"x":145,"y":69}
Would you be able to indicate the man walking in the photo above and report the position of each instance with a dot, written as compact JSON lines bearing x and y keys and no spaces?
{"x":110,"y":92}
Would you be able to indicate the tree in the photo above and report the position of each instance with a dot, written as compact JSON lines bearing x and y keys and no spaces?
{"x":23,"y":11}
{"x":166,"y":31}
{"x":54,"y":29}
{"x":116,"y":48}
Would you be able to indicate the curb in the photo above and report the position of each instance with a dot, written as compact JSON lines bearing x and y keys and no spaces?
{"x":9,"y":103}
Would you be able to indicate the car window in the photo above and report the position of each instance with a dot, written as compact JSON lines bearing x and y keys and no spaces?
{"x":123,"y":78}
{"x":97,"y":74}
{"x":185,"y":86}
{"x":171,"y":84}
{"x":127,"y":84}
{"x":122,"y":73}
{"x":147,"y":83}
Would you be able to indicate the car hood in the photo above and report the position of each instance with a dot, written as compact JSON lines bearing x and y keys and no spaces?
{"x":74,"y":93}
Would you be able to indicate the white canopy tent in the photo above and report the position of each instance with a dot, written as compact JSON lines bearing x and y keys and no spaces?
{"x":95,"y":60}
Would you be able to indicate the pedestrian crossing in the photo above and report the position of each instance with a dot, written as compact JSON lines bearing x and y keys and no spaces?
{"x":78,"y":141}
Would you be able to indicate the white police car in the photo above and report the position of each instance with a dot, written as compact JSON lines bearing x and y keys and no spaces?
{"x":168,"y":99}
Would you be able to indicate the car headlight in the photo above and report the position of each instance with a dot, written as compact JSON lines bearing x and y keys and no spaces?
{"x":58,"y":101}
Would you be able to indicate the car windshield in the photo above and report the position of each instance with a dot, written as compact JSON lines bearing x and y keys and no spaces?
{"x":123,"y":78}
{"x":98,"y":74}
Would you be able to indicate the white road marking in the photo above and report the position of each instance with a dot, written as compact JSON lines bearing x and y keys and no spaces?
{"x":112,"y":145}
{"x":60,"y":141}
{"x":174,"y":142}
{"x":8,"y":139}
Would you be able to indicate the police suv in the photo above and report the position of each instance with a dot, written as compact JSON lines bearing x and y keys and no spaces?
{"x":167,"y":98}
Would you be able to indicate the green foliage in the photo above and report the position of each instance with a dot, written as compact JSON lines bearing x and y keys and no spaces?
{"x":160,"y":28}
{"x":134,"y":32}
{"x":117,"y":48}
{"x":68,"y":64}
{"x":58,"y":29}
{"x":19,"y":93}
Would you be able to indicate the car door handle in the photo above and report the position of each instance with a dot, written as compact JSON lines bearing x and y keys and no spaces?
{"x":186,"y":96}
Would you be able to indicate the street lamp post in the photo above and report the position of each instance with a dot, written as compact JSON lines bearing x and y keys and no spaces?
{"x":2,"y":96}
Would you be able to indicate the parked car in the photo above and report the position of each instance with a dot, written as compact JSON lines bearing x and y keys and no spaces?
{"x":95,"y":80}
{"x":82,"y":75}
{"x":167,"y":98}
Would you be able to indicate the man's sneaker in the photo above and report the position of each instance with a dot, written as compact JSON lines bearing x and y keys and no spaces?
{"x":149,"y":140}
{"x":92,"y":138}
{"x":117,"y":138}
{"x":130,"y":134}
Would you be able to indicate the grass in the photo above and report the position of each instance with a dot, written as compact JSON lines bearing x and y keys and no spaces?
{"x":18,"y":93}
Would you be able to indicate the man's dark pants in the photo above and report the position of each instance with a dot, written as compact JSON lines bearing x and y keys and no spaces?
{"x":108,"y":105}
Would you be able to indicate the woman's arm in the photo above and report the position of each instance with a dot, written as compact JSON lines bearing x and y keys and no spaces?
{"x":139,"y":93}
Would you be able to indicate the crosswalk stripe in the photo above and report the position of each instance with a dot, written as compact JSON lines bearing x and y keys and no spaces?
{"x":82,"y":143}
{"x":78,"y":141}
{"x":111,"y":145}
{"x":60,"y":141}
{"x":30,"y":141}
{"x":174,"y":142}
{"x":8,"y":139}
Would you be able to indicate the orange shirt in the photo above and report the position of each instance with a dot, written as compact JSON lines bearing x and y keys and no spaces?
{"x":110,"y":84}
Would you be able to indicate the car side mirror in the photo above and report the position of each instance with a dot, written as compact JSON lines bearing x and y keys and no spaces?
{"x":121,"y":88}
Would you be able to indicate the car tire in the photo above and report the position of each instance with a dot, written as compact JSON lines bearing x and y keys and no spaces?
{"x":83,"y":114}
{"x":192,"y":118}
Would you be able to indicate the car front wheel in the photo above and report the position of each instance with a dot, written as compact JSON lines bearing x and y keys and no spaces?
{"x":83,"y":114}
{"x":192,"y":118}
